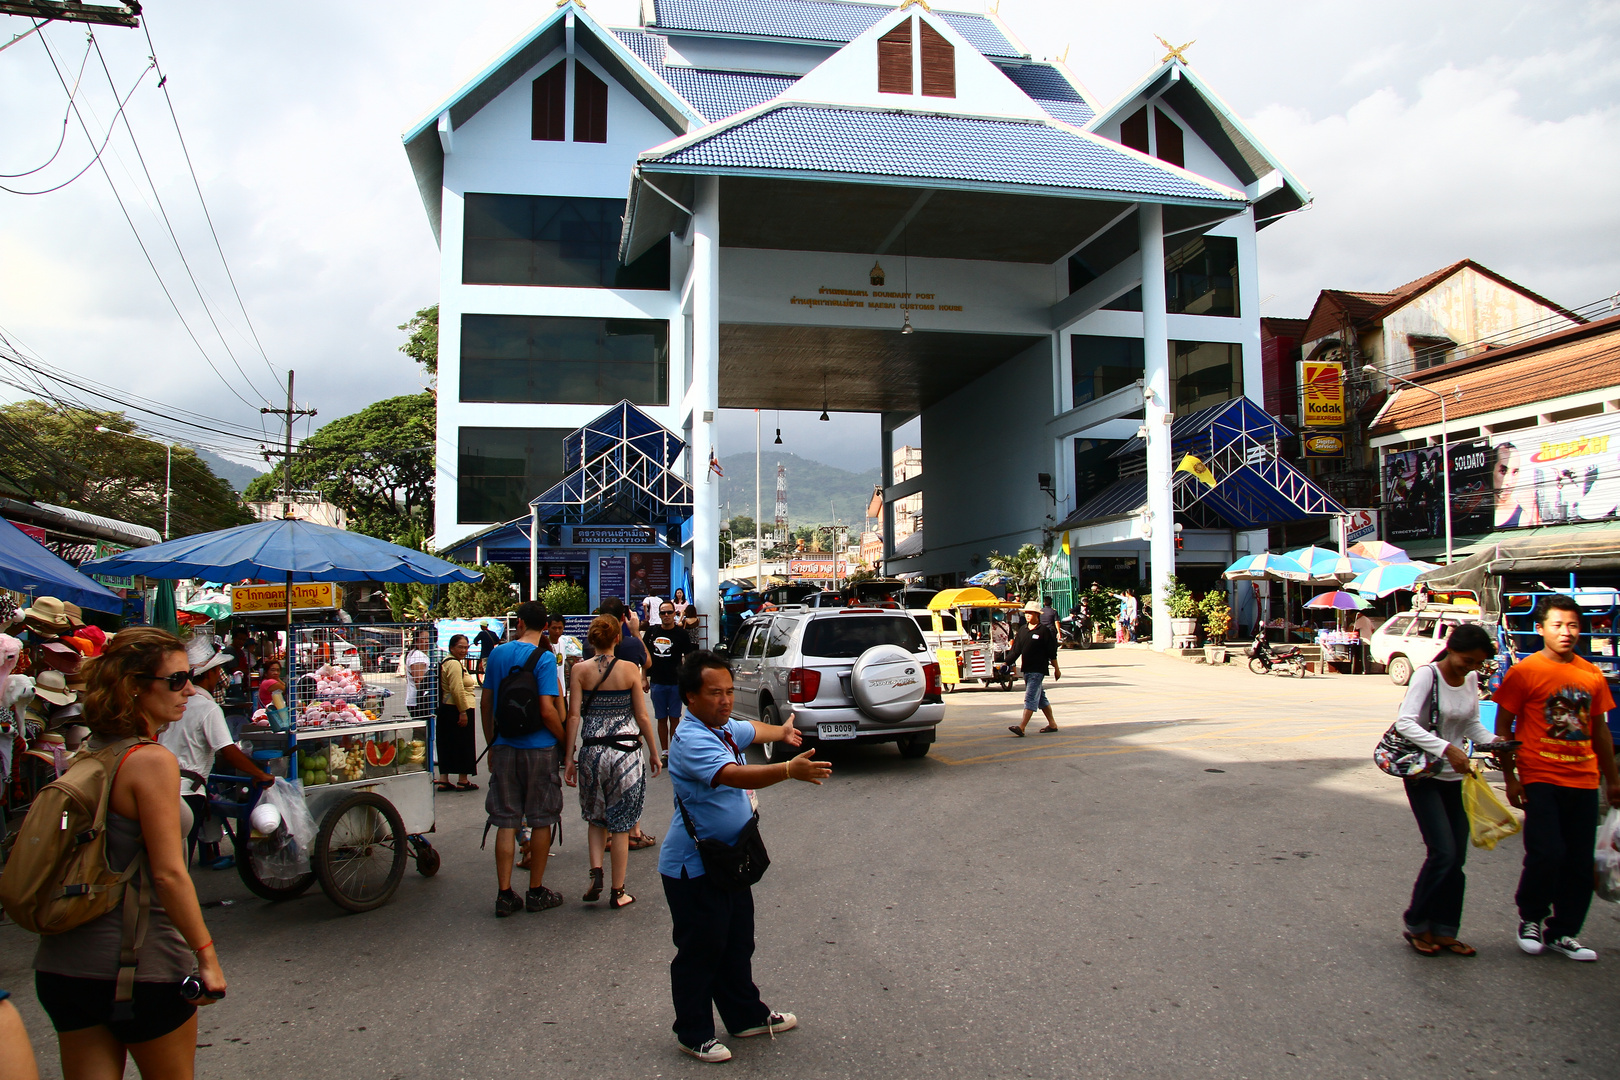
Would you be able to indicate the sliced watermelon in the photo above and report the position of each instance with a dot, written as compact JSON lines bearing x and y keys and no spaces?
{"x":380,"y":755}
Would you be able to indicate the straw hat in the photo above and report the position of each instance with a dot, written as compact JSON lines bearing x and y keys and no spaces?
{"x":48,"y":615}
{"x":52,"y":686}
{"x":204,"y":655}
{"x":1033,"y":606}
{"x":74,"y":613}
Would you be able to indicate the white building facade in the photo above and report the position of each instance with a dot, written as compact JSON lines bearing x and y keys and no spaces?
{"x":895,"y":207}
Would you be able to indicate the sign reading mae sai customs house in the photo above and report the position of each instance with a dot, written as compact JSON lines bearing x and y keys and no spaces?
{"x":1321,"y":394}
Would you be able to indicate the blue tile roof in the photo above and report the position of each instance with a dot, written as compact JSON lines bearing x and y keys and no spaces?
{"x":715,"y":95}
{"x":964,"y":150}
{"x":831,"y":21}
{"x":1047,"y":86}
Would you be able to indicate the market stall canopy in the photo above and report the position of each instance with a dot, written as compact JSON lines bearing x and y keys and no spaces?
{"x":27,"y":566}
{"x":289,"y":550}
{"x":1587,"y":552}
{"x":1379,"y":551}
{"x":1325,"y":564}
{"x":1264,"y":567}
{"x":1391,"y":577}
{"x":1337,"y":601}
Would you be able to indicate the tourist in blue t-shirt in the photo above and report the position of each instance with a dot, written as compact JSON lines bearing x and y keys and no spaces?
{"x":713,"y":927}
{"x":525,"y":784}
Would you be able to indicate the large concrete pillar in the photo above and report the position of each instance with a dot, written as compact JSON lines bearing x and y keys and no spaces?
{"x":705,"y":401}
{"x":886,"y":478}
{"x":1156,"y":353}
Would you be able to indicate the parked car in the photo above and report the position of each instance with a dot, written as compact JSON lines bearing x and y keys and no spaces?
{"x":1413,"y":638}
{"x":388,"y":660}
{"x":861,"y":674}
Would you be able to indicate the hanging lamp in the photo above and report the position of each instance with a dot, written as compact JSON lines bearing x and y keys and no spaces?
{"x":824,"y":415}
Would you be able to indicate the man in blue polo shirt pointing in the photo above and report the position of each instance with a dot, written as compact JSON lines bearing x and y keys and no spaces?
{"x":714,"y":927}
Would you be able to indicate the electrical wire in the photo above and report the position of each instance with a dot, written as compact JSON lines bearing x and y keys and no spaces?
{"x":61,"y":140}
{"x":163,"y":84}
{"x":140,"y":242}
{"x":169,"y":225}
{"x":73,"y":106}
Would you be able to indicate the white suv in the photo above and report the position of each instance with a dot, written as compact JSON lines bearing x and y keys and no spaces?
{"x":846,"y":673}
{"x":1413,"y":638}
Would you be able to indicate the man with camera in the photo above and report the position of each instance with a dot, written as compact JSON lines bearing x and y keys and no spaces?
{"x":708,"y":885}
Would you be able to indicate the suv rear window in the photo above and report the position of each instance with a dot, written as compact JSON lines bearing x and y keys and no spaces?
{"x":845,"y":637}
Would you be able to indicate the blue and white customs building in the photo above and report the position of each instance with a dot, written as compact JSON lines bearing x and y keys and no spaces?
{"x":895,"y":209}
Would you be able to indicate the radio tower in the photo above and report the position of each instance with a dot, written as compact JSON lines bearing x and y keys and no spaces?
{"x":781,"y":503}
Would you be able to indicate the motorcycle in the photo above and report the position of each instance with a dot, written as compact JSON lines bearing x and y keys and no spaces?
{"x":1281,"y":660}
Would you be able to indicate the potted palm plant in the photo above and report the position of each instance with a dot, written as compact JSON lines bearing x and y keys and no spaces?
{"x":1183,"y":608}
{"x":1217,"y":620}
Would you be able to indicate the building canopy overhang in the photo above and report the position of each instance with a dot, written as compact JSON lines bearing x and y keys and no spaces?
{"x":1254,"y":487}
{"x":802,"y":176}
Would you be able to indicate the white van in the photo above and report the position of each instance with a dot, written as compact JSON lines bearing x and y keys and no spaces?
{"x":1413,"y":638}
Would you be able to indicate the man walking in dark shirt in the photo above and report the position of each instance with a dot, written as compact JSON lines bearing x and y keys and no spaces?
{"x":668,"y":644}
{"x":486,"y":640}
{"x":1037,"y":645}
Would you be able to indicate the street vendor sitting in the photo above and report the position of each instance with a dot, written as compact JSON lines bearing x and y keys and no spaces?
{"x":200,"y":736}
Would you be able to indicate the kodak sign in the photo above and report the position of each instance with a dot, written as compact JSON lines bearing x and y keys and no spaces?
{"x":1321,"y":387}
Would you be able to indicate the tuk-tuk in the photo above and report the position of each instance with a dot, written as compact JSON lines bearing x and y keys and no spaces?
{"x":969,"y":654}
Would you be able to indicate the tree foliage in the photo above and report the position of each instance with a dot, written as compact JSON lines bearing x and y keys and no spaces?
{"x":422,"y":344}
{"x":56,"y":453}
{"x":492,"y":596}
{"x":1026,"y":568}
{"x":377,"y":464}
{"x":564,"y":598}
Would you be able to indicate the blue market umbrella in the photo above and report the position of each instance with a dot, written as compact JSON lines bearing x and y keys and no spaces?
{"x":1325,"y":564}
{"x":288,"y":550}
{"x":29,"y":567}
{"x":1265,"y":566}
{"x":1391,"y":577}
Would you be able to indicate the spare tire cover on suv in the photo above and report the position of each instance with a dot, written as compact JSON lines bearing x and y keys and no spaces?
{"x":888,"y":682}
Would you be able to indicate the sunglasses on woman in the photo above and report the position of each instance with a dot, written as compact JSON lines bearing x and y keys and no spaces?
{"x":177,"y":681}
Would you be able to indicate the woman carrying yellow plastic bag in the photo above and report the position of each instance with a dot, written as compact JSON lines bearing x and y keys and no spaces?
{"x":1489,"y":820}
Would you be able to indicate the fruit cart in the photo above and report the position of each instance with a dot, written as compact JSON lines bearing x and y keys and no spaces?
{"x":361,"y":750}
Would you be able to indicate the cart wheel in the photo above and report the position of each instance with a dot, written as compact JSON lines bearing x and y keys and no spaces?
{"x":427,"y":857}
{"x":360,"y":852}
{"x":259,"y":887}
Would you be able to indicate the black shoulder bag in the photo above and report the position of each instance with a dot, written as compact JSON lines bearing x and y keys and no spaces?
{"x":730,"y":867}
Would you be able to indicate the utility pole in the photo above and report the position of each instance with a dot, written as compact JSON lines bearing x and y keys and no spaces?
{"x":125,"y":14}
{"x":289,"y":414}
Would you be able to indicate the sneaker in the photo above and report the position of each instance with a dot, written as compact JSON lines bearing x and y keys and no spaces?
{"x":224,"y":862}
{"x":1530,"y":937}
{"x":663,"y":760}
{"x":773,"y":1023}
{"x":1568,"y":946}
{"x":507,"y":903}
{"x":540,"y":899}
{"x":712,"y":1051}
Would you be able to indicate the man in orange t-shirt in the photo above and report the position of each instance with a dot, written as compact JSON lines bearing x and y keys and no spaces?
{"x":1557,"y":705}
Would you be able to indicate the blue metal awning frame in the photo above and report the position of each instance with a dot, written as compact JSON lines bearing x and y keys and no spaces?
{"x":1239,"y":442}
{"x":621,"y":460}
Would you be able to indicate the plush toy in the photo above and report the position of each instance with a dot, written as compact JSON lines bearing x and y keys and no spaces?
{"x":10,"y":649}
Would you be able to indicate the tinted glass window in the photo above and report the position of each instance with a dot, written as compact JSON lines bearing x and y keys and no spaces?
{"x":776,"y":643}
{"x":551,"y":240}
{"x":1397,"y":625}
{"x":500,"y":469}
{"x":756,"y":639}
{"x":1204,"y":373}
{"x":847,"y":636}
{"x":1202,"y":278}
{"x":554,"y":359}
{"x":739,"y":643}
{"x":1104,"y":364}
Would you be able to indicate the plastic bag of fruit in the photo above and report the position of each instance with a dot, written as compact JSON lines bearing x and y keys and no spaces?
{"x":282,"y":854}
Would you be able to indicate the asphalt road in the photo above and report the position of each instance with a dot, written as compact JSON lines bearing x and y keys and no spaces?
{"x":1201,"y":875}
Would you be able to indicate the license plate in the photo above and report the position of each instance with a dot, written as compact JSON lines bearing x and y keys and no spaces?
{"x":830,"y":732}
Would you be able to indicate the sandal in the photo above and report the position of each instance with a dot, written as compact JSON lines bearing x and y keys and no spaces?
{"x":1049,"y":730}
{"x":1419,"y":946}
{"x":443,"y":785}
{"x":618,"y":898}
{"x":1457,"y":948}
{"x":595,"y":891}
{"x":468,"y":786}
{"x":645,"y":840}
{"x":1016,"y":730}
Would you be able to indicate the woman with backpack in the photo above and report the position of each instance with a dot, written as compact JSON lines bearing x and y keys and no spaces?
{"x":134,"y":690}
{"x":1441,"y":713}
{"x":456,"y":747}
{"x":608,"y":714}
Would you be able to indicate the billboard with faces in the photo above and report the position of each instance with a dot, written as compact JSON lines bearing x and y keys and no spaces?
{"x":1556,"y":474}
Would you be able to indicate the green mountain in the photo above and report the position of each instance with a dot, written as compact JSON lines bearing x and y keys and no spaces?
{"x":232,"y":472}
{"x":815,"y":492}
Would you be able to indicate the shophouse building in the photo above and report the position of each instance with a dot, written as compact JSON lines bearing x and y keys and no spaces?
{"x":899,"y":210}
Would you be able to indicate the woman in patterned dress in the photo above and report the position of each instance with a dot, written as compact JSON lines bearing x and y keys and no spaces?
{"x":607,"y":766}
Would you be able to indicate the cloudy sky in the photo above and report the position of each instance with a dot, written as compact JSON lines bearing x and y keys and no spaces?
{"x":1427,"y":132}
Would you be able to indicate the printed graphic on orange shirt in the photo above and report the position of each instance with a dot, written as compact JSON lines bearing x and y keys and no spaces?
{"x":1569,"y":713}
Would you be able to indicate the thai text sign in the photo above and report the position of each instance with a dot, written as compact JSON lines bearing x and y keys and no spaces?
{"x":306,"y":596}
{"x":1321,"y":392}
{"x":612,"y":535}
{"x":812,"y":567}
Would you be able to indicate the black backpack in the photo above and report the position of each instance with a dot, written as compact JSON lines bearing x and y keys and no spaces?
{"x":517,"y":701}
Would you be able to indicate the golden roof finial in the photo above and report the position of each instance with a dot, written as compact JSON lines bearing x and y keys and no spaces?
{"x":1176,"y":51}
{"x":919,"y":3}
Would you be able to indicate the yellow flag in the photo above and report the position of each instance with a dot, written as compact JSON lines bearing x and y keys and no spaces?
{"x":1196,"y":466}
{"x":1065,"y":541}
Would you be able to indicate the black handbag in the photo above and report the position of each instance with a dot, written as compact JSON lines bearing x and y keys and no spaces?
{"x":731,"y":867}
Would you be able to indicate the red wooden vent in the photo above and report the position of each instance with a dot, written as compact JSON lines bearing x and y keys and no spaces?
{"x":1133,"y":132}
{"x":590,"y":105}
{"x":550,"y":108}
{"x":938,"y":64}
{"x":894,"y":60}
{"x":1169,"y":137}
